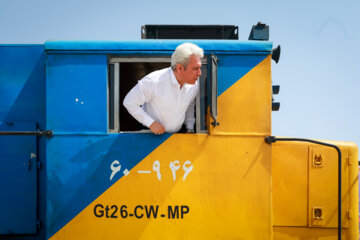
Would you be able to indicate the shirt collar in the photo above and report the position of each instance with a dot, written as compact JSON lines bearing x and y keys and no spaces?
{"x":173,"y":78}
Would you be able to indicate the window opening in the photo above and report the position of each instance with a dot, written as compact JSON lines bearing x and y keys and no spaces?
{"x":125,"y":72}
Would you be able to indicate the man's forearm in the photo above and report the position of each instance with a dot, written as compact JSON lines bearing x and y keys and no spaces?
{"x":132,"y":103}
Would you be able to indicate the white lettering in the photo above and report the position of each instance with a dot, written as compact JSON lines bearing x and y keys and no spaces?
{"x":156,"y":168}
{"x":174,"y":166}
{"x":187,"y":169}
{"x":114,"y":168}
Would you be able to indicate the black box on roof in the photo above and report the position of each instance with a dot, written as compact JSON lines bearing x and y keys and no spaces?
{"x":189,"y":32}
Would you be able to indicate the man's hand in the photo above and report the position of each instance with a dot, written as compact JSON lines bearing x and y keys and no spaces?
{"x":157,"y":128}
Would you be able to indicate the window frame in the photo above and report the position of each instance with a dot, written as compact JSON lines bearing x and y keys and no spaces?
{"x":113,"y":90}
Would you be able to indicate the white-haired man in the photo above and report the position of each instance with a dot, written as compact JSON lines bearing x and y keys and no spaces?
{"x":163,"y":100}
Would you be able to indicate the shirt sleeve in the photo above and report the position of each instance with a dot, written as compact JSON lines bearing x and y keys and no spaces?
{"x":189,"y":116}
{"x":138,"y":95}
{"x":190,"y":112}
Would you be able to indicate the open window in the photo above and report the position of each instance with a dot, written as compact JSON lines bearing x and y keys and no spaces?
{"x":125,"y":72}
{"x":213,"y":91}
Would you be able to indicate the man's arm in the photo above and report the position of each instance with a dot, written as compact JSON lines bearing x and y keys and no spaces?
{"x":189,"y":117}
{"x":133,"y":101}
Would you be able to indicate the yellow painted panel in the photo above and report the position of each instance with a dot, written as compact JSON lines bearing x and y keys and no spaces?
{"x":246,"y":106}
{"x":354,"y":190}
{"x":350,"y":189}
{"x":323,"y":187}
{"x":290,"y":184}
{"x":302,"y":233}
{"x":325,"y":233}
{"x":226,"y":195}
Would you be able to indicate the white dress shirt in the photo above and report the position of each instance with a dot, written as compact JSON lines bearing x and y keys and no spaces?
{"x":158,"y":97}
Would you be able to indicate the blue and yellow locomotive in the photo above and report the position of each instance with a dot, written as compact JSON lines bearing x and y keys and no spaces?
{"x":76,"y":165}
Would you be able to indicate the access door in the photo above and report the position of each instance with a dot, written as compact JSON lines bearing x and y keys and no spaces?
{"x":18,"y":180}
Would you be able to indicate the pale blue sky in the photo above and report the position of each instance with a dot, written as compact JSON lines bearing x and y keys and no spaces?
{"x":318,"y":70}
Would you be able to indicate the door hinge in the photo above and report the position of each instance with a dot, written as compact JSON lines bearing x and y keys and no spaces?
{"x":348,"y":214}
{"x":38,"y":224}
{"x":349,"y":160}
{"x":29,"y":165}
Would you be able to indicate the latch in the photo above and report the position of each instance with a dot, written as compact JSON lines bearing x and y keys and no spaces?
{"x":317,"y":216}
{"x":32,"y":157}
{"x":318,"y":160}
{"x":317,"y":213}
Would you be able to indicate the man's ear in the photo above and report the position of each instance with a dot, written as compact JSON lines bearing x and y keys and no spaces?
{"x":179,"y":67}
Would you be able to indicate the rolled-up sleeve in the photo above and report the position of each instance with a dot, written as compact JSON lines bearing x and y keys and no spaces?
{"x":138,"y":95}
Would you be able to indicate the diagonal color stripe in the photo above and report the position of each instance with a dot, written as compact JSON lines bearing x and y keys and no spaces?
{"x":79,"y":169}
{"x":231,"y":69}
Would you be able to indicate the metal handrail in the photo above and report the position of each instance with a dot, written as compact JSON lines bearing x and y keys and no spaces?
{"x":46,"y":133}
{"x":272,"y":139}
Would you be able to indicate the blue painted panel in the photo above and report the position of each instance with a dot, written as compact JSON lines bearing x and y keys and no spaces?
{"x":22,"y":83}
{"x":78,"y":169}
{"x":233,"y":67}
{"x":161,"y":45}
{"x":18,"y":178}
{"x":76,"y":93}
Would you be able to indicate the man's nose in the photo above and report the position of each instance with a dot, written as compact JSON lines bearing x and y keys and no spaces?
{"x":199,"y":73}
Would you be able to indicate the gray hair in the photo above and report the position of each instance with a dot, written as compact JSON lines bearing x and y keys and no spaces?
{"x":183,"y":52}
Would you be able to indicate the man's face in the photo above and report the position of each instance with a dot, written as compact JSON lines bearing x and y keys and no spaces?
{"x":192,"y":71}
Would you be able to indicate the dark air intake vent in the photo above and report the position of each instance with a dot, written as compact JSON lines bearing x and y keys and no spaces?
{"x":189,"y":32}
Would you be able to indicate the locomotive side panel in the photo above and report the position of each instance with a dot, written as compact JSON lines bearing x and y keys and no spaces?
{"x":305,"y":188}
{"x":191,"y":186}
{"x":22,"y":108}
{"x":142,"y":186}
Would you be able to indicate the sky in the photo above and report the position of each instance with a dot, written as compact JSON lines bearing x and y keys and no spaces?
{"x":318,"y":71}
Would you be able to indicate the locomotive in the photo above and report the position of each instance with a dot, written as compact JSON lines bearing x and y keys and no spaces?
{"x":76,"y":165}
